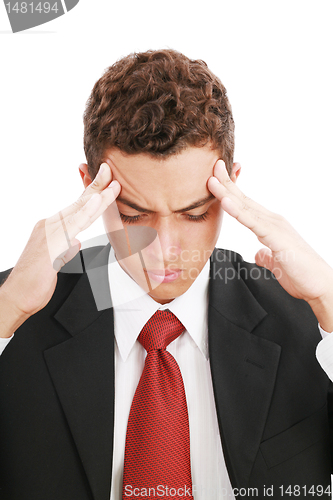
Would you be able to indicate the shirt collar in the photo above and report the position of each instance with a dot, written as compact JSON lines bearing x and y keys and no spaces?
{"x":133,"y":307}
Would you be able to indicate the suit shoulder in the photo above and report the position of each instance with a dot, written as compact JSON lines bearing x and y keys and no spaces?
{"x":4,"y":275}
{"x":77,"y":265}
{"x":266,"y":289}
{"x":66,"y":279}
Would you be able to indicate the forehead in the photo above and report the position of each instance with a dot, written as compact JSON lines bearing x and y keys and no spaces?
{"x":174,"y":180}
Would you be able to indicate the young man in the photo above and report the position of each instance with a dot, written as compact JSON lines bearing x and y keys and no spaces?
{"x":234,"y":402}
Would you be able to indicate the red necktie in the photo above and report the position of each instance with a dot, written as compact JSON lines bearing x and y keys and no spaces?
{"x":157,"y":453}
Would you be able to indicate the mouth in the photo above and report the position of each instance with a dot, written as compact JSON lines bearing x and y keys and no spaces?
{"x":164,"y":275}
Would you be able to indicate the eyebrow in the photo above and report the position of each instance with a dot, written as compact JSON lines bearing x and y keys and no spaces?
{"x":196,"y":204}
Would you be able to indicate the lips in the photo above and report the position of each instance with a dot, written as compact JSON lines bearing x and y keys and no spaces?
{"x":164,"y":275}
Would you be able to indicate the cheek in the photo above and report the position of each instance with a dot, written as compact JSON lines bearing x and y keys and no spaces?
{"x":207,"y":230}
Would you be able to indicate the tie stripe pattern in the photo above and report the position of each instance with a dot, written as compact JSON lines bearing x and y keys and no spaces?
{"x":157,"y":452}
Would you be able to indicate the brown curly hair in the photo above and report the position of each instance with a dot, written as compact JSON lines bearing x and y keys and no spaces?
{"x":157,"y":102}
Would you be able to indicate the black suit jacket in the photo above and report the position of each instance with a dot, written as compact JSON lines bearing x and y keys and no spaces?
{"x":273,"y":400}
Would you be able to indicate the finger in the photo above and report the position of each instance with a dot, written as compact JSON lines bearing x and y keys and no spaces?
{"x":264,"y":258}
{"x":225,"y":187}
{"x":60,"y":231}
{"x":97,"y":204}
{"x":73,"y":224}
{"x":272,"y":232}
{"x":220,"y":171}
{"x":108,"y":205}
{"x":246,"y":211}
{"x":258,"y":225}
{"x":101,"y":181}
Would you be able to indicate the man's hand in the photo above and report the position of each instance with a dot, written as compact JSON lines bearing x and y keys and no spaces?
{"x":51,"y":245}
{"x":297,"y":267}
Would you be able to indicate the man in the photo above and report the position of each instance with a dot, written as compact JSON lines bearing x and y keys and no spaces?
{"x":77,"y":419}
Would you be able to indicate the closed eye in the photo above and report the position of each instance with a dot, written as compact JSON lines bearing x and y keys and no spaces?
{"x":197,"y":218}
{"x":137,"y":218}
{"x":130,"y":219}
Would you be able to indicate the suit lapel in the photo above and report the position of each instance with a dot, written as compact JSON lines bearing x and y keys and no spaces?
{"x":82,"y":370}
{"x":243,"y":366}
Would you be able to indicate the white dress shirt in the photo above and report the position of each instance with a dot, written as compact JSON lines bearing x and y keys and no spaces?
{"x":132,"y":309}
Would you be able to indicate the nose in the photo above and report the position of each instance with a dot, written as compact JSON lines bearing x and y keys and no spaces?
{"x":166,"y":247}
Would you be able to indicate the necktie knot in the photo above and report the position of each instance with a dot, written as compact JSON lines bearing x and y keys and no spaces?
{"x":161,"y":329}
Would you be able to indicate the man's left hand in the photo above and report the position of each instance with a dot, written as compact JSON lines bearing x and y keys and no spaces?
{"x":297,"y":267}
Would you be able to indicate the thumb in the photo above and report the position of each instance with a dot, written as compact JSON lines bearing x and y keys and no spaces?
{"x":68,"y":255}
{"x":264,"y":258}
{"x":102,"y":179}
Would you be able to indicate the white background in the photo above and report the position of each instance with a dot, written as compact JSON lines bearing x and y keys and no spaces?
{"x":275,"y":59}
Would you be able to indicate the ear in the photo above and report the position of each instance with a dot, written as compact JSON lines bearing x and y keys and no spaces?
{"x":86,"y":179}
{"x":236,"y":170}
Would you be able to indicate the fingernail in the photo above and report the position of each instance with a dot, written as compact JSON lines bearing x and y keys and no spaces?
{"x":101,"y":169}
{"x":215,"y":180}
{"x":113,"y":184}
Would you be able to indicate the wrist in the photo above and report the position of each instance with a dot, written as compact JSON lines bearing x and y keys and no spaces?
{"x":323,"y":310}
{"x":11,"y":317}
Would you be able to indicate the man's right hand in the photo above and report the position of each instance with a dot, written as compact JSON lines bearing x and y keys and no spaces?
{"x":51,"y":245}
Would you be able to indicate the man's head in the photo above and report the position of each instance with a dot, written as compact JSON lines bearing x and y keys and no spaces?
{"x":157,"y":102}
{"x":161,"y":121}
